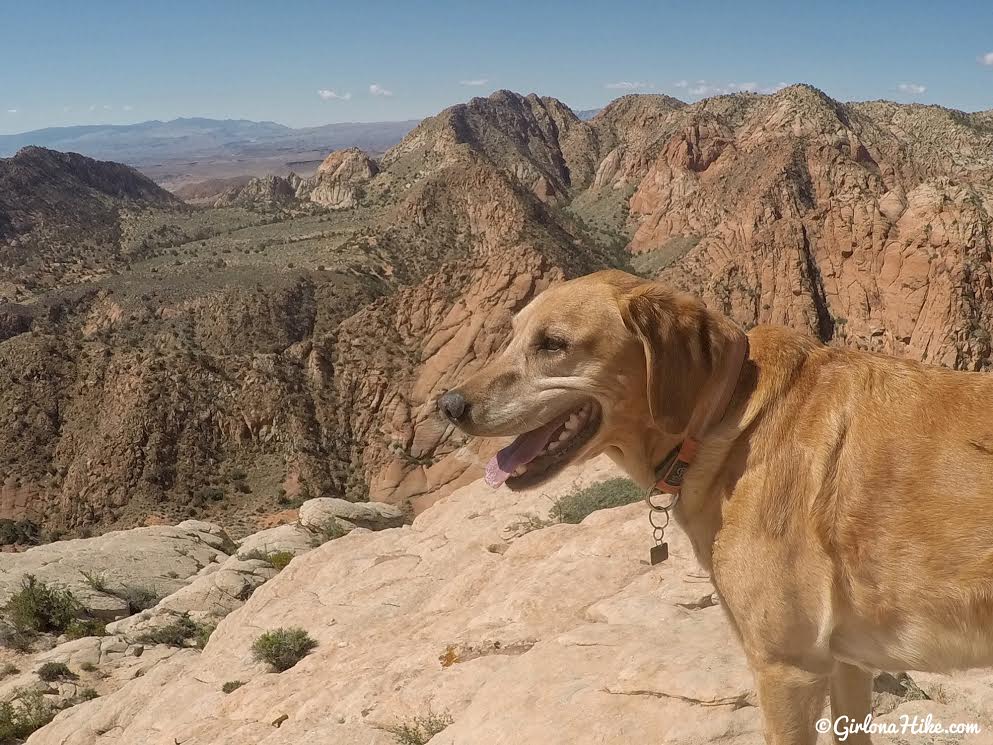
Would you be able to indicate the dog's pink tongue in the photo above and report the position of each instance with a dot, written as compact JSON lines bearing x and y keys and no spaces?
{"x":520,"y":452}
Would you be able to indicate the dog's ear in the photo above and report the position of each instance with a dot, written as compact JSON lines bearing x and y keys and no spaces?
{"x":684,"y":345}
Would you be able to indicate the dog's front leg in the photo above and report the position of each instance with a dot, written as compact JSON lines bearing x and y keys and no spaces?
{"x":792,"y":700}
{"x":851,"y":697}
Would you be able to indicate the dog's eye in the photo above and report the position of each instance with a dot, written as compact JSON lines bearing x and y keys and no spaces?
{"x":551,"y":344}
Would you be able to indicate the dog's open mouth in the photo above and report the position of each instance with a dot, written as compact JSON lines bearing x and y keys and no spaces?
{"x":537,"y":455}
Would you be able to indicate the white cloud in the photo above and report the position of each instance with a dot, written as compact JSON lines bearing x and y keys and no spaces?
{"x":476,"y":81}
{"x":107,"y":107}
{"x":913,"y":89}
{"x":625,"y":85}
{"x":329,"y":95}
{"x":708,"y":88}
{"x":986,"y":59}
{"x":127,"y":107}
{"x":93,"y":107}
{"x":11,"y":111}
{"x":377,"y":90}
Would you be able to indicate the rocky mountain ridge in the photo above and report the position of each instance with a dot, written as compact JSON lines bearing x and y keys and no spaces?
{"x":281,"y":348}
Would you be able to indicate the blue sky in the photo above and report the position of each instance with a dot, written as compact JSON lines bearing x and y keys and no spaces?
{"x":110,"y":61}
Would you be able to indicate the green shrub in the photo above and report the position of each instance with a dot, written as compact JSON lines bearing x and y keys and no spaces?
{"x":96,"y":580}
{"x":277,"y":559}
{"x":577,"y":507}
{"x":83,"y":627}
{"x":280,"y":559}
{"x":283,"y":648}
{"x":8,"y":669}
{"x":179,"y":633}
{"x":88,"y":667}
{"x":255,"y":554}
{"x":86,"y":694}
{"x":18,"y":532}
{"x":232,"y":685}
{"x":52,"y":671}
{"x":22,"y":715}
{"x":420,"y":729}
{"x":139,"y":598}
{"x":36,"y":607}
{"x":332,"y":529}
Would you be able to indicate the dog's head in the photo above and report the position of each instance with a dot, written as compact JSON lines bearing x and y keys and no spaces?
{"x":591,"y":364}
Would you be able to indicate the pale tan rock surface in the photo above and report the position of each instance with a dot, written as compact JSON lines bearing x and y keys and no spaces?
{"x":338,"y":179}
{"x":159,"y":558}
{"x":316,"y":513}
{"x":563,"y":634}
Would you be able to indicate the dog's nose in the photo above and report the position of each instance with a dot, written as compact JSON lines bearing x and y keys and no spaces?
{"x":453,"y":405}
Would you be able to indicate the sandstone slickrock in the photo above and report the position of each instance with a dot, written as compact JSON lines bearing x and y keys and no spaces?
{"x":160,"y":559}
{"x":213,"y":577}
{"x":316,"y":513}
{"x":563,"y":634}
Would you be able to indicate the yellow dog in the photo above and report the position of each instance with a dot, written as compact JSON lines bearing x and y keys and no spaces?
{"x":842,"y":500}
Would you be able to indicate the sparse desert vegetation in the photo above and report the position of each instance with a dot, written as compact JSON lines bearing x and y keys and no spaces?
{"x":576,"y":507}
{"x":283,"y":648}
{"x":418,"y":729}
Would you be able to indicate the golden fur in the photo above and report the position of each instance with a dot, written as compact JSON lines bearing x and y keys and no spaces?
{"x":844,"y":506}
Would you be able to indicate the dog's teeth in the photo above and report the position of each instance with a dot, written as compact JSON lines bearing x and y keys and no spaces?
{"x":564,"y":435}
{"x":553,"y":445}
{"x":572,"y":422}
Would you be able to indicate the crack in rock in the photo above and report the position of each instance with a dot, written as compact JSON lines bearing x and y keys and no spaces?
{"x":741,"y":701}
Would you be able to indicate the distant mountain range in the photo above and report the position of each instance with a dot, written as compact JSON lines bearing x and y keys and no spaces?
{"x":191,"y":149}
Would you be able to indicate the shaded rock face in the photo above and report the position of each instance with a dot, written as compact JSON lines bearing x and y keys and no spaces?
{"x":561,"y":634}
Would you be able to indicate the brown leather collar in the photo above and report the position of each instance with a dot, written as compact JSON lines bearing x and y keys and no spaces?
{"x":677,"y":462}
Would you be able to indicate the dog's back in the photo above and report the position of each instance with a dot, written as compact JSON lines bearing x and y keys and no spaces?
{"x":889,"y":465}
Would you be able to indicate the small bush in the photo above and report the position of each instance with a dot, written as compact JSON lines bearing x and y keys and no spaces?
{"x":232,"y":685}
{"x":52,"y":671}
{"x":26,"y":712}
{"x":86,"y":694}
{"x":96,"y":580}
{"x":179,"y":633}
{"x":8,"y":669}
{"x":419,"y":730}
{"x":256,"y":554}
{"x":88,"y":667}
{"x":280,"y":559}
{"x":209,"y":494}
{"x":332,"y":529}
{"x":18,"y":532}
{"x":283,"y":648}
{"x":139,"y":598}
{"x":36,"y":607}
{"x":577,"y":507}
{"x":83,"y":627}
{"x":277,"y":559}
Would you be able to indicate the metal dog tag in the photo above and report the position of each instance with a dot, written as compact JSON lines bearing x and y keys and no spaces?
{"x":659,"y":553}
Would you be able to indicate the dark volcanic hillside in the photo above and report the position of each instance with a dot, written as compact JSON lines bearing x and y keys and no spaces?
{"x":227,"y":361}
